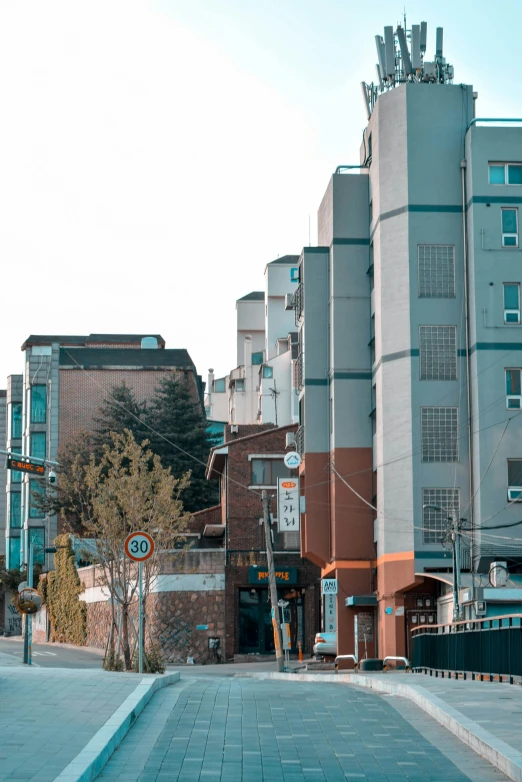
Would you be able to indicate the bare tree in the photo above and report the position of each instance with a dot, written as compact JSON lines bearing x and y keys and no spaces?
{"x":124,"y":491}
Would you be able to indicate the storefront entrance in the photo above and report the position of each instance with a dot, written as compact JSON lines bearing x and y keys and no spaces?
{"x":256,"y":635}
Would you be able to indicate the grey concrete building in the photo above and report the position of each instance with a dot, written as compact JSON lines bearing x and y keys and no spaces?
{"x":409,"y":318}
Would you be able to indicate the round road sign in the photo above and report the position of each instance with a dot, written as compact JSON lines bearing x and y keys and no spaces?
{"x":139,"y":546}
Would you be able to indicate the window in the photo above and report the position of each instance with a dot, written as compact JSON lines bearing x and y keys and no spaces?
{"x":220,"y":386}
{"x":265,"y":472}
{"x":38,"y":404}
{"x":439,"y":434}
{"x":15,"y":510}
{"x":438,"y":352}
{"x":505,"y":173}
{"x":36,"y":494}
{"x":436,"y":271}
{"x":13,"y":553}
{"x":513,"y":390}
{"x":240,"y":385}
{"x":38,"y":443}
{"x":15,"y":421}
{"x":16,"y":476}
{"x":268,"y":371}
{"x":515,"y":480}
{"x":37,"y":538}
{"x":509,"y":227}
{"x":257,"y":358}
{"x":434,"y":522}
{"x":512,"y":302}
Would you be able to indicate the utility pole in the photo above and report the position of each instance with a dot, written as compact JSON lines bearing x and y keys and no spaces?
{"x":455,"y":539}
{"x":276,"y":624}
{"x":453,"y":535}
{"x":28,"y":619}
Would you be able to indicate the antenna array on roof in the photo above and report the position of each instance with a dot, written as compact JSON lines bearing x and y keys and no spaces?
{"x":397,"y":63}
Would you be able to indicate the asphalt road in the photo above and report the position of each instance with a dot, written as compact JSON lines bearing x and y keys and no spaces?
{"x":52,"y":655}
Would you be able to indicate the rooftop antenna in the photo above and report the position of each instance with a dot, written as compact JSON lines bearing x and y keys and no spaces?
{"x":438,"y":47}
{"x":389,"y":51}
{"x":416,"y":61}
{"x":406,"y":61}
{"x":423,"y":36}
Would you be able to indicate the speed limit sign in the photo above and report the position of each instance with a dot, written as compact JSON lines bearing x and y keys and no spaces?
{"x":139,"y":546}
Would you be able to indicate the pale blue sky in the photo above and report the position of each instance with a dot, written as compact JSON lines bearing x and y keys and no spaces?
{"x":155,"y":155}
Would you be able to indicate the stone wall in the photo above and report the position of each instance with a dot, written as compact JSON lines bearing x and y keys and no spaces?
{"x":172,"y":619}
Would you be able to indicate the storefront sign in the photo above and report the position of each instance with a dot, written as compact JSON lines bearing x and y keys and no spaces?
{"x":288,"y":504}
{"x":330,"y":613}
{"x":328,"y":586}
{"x":259,"y":575}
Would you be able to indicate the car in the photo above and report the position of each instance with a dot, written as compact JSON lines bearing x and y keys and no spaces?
{"x":325,"y":644}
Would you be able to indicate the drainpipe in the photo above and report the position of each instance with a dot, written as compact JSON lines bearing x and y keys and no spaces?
{"x":463,"y":166}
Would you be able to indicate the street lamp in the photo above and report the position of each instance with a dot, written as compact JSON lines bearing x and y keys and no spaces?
{"x":455,"y":544}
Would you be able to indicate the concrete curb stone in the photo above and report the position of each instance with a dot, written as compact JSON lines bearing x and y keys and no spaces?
{"x":497,"y":752}
{"x":86,"y":766}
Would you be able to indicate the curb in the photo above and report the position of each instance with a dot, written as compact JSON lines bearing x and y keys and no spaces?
{"x":497,"y":752}
{"x":90,"y":761}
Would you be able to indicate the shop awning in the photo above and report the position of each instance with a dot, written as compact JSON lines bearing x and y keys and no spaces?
{"x":360,"y":600}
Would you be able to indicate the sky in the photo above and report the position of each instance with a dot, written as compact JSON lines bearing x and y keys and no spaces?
{"x":155,"y":155}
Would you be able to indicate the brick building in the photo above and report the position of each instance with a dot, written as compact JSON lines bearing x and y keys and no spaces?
{"x":250,"y":460}
{"x":65,"y":380}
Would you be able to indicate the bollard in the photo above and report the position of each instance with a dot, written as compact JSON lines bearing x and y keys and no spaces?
{"x":300,"y":647}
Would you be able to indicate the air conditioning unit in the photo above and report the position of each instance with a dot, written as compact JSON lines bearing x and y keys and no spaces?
{"x":498,"y":574}
{"x":289,"y":301}
{"x":290,"y":439}
{"x":480,"y":608}
{"x":515,"y":493}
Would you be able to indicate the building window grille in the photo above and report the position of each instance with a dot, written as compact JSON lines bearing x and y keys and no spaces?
{"x":438,"y":352}
{"x":38,"y":445}
{"x":15,"y":510}
{"x":14,"y":421}
{"x":38,"y":404}
{"x":439,"y":434}
{"x":13,"y":553}
{"x":512,"y":303}
{"x":436,"y":271}
{"x":509,"y":227}
{"x":435,"y":522}
{"x":514,"y":480}
{"x":505,"y":173}
{"x":36,"y":496}
{"x":513,"y":389}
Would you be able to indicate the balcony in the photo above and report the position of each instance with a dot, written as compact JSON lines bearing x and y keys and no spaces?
{"x":300,"y":371}
{"x":298,"y":303}
{"x":300,"y":440}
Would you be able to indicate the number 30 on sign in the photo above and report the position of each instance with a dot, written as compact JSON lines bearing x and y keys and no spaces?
{"x":139,"y":546}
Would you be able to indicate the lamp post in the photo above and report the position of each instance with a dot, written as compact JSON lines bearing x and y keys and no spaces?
{"x":454,"y":533}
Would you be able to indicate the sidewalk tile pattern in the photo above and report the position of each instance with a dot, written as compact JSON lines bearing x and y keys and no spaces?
{"x":228,"y":730}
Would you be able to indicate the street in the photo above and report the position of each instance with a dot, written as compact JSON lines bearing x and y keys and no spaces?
{"x":52,"y":655}
{"x":227,"y":729}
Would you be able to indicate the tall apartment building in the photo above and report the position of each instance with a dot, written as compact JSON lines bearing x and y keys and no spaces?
{"x":65,"y":380}
{"x":262,"y":387}
{"x":410,"y":334}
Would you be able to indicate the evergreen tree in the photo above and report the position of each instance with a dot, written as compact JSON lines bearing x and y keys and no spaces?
{"x":175,"y":414}
{"x":118,"y":412}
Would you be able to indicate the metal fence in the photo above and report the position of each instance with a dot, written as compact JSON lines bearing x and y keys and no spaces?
{"x":488,"y":647}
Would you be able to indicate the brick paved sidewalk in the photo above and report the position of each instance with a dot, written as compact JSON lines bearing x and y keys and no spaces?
{"x":229,"y":730}
{"x":47,"y":715}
